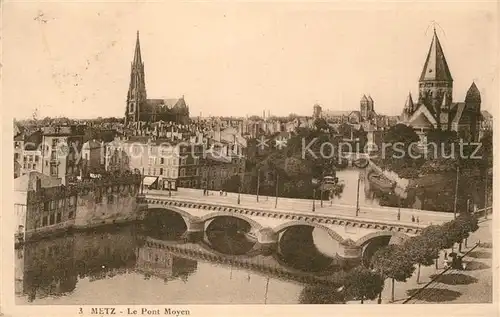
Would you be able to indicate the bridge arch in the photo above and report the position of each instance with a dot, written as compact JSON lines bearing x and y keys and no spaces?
{"x":365,"y":239}
{"x":335,"y":236}
{"x":256,"y":225}
{"x":186,"y":215}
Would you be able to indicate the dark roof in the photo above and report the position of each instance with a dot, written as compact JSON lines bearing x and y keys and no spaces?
{"x":473,"y":94}
{"x":436,"y":67}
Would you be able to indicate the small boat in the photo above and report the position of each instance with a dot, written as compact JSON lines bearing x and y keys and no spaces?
{"x":381,"y":182}
{"x":251,"y":236}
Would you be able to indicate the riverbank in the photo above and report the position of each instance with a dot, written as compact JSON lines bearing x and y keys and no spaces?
{"x":69,"y":228}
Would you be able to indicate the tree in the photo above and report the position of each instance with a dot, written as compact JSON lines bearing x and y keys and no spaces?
{"x":421,"y":251}
{"x":437,"y":236}
{"x":465,"y":224}
{"x":321,"y":294}
{"x":233,"y":184}
{"x":400,"y":149}
{"x":391,"y":262}
{"x":361,"y":283}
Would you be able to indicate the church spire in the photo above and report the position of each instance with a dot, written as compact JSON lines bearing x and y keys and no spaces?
{"x":137,"y":53}
{"x":136,"y":96}
{"x":409,"y":103}
{"x":436,"y":67}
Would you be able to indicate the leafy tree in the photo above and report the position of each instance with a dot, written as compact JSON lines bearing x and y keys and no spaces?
{"x":321,"y":294}
{"x":436,"y":235}
{"x":392,"y":262}
{"x":233,"y":184}
{"x":322,"y":125}
{"x":465,"y":224}
{"x":421,"y":251}
{"x":361,"y":283}
{"x":399,"y":150}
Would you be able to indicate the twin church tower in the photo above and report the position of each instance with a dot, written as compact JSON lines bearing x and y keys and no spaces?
{"x":433,"y":109}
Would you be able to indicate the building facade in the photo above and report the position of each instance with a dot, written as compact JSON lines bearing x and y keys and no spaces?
{"x":61,"y":152}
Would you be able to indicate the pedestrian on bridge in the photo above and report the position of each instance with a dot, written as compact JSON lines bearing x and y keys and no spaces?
{"x":418,"y":220}
{"x":412,"y":218}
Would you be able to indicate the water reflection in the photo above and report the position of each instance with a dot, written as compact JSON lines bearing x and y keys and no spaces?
{"x":229,"y":235}
{"x":298,"y":249}
{"x":110,"y":266}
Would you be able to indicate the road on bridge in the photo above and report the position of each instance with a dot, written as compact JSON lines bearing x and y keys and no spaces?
{"x":305,"y":206}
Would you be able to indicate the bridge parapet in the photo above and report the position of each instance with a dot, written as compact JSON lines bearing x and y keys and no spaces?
{"x":307,"y":217}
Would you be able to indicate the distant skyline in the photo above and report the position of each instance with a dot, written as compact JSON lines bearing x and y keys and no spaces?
{"x":237,"y":59}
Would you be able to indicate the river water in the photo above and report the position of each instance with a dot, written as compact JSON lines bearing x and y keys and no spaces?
{"x":113,"y":266}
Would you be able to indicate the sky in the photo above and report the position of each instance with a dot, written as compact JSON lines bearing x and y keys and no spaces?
{"x":239,"y":58}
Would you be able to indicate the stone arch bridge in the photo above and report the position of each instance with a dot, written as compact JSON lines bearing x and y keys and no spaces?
{"x":352,"y":234}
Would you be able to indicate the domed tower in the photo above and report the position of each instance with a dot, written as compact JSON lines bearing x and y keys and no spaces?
{"x":316,"y":111}
{"x":473,"y":110}
{"x":435,"y":82}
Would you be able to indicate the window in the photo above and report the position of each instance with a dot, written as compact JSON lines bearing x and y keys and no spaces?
{"x":24,"y":165}
{"x":16,"y":156}
{"x":182,"y":173}
{"x":110,"y":199}
{"x":161,"y":170}
{"x":44,"y":221}
{"x":58,"y":217}
{"x":52,"y":219}
{"x":162,"y":160}
{"x":46,"y":206}
{"x":54,"y":142}
{"x":34,"y":166}
{"x":183,"y":161}
{"x":154,"y":171}
{"x":86,"y":156}
{"x":61,"y":203}
{"x":72,"y":201}
{"x":150,"y":161}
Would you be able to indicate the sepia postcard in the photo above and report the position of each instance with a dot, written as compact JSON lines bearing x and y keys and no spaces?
{"x":213,"y":158}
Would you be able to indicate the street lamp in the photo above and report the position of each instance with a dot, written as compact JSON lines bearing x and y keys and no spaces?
{"x":277,"y":183}
{"x":239,"y":194}
{"x":456,"y":193}
{"x":314,"y":200}
{"x":258,"y":183}
{"x":315,"y":183}
{"x":486,"y":195}
{"x":357,"y":198}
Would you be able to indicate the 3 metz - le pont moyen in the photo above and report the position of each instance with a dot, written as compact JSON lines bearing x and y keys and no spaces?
{"x":169,"y":203}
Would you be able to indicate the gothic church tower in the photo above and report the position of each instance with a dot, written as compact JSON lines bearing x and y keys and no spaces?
{"x":136,"y":96}
{"x":436,"y":83}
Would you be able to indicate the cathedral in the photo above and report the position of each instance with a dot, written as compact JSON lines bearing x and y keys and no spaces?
{"x":435,"y":108}
{"x":141,"y":109}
